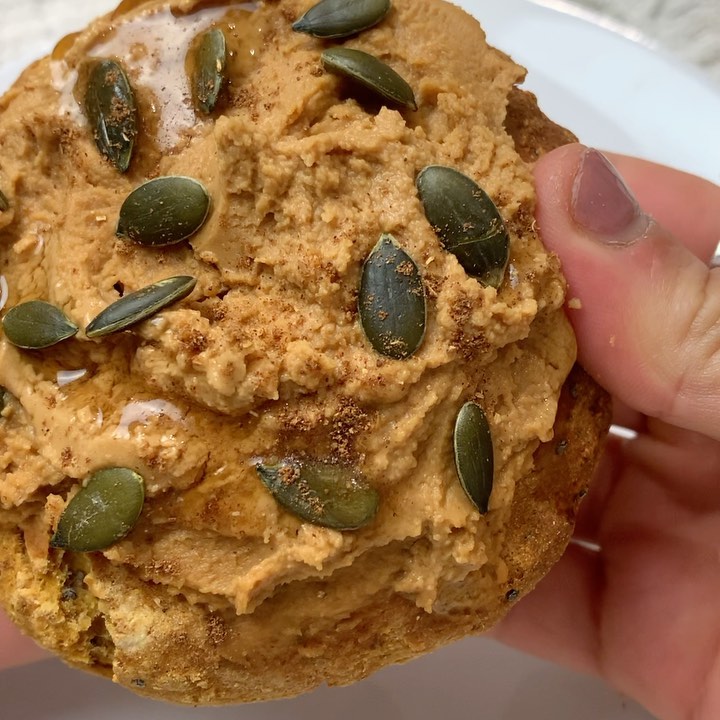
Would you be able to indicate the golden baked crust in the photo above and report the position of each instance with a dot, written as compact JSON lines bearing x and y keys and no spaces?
{"x":217,"y":596}
{"x":533,"y":132}
{"x":185,"y":662}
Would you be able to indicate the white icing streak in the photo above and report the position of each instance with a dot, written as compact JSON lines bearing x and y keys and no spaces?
{"x":143,"y":411}
{"x":4,"y":292}
{"x":65,"y":377}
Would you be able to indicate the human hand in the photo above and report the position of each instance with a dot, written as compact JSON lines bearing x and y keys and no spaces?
{"x":643,"y":612}
{"x":16,"y":648}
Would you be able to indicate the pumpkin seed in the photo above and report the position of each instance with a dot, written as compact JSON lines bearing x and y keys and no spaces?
{"x":37,"y":324}
{"x":391,"y":301}
{"x":140,"y":305}
{"x":164,"y":211}
{"x":370,"y":72}
{"x":467,"y":222}
{"x":322,"y":493}
{"x":209,"y":70}
{"x":4,"y":204}
{"x":474,"y":454}
{"x":103,"y":511}
{"x":111,"y":110}
{"x":341,"y":18}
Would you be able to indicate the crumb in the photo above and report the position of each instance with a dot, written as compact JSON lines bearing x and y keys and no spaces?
{"x":574,"y":304}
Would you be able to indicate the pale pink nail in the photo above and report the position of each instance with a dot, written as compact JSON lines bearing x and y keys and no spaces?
{"x":601,"y":201}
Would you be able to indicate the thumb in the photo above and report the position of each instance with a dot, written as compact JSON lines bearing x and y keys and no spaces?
{"x":645,"y":309}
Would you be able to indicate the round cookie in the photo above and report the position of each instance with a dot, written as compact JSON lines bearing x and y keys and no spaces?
{"x":220,"y":592}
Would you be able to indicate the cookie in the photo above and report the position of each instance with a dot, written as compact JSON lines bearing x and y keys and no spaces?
{"x":289,"y":392}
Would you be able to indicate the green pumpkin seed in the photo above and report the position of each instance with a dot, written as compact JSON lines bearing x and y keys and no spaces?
{"x":391,"y":301}
{"x":164,"y":211}
{"x":4,"y":204}
{"x":209,"y":70}
{"x":322,"y":493}
{"x":371,"y":73}
{"x":103,"y":511}
{"x":111,"y":110}
{"x":474,"y":454}
{"x":139,"y":305}
{"x":467,"y":222}
{"x":37,"y":324}
{"x":341,"y":18}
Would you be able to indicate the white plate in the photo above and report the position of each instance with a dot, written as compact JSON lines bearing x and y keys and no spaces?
{"x":612,"y":91}
{"x":615,"y":94}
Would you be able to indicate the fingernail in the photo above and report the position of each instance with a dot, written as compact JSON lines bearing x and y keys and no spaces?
{"x":601,"y":201}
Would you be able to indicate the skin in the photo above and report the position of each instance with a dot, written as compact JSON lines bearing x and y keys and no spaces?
{"x":642,"y":612}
